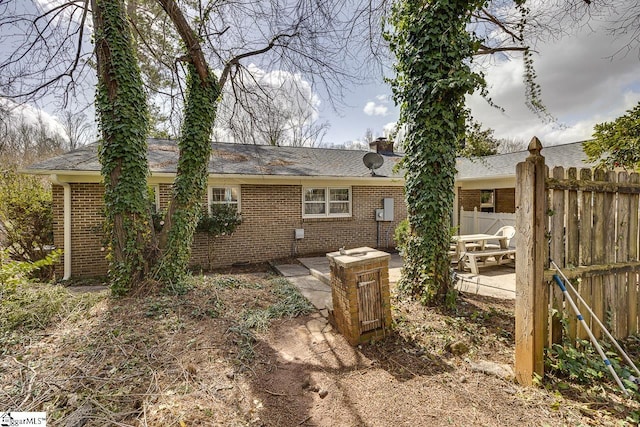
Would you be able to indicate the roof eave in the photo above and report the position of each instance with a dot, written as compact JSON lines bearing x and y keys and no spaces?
{"x":67,"y":176}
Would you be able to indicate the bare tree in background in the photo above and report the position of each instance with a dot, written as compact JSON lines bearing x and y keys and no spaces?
{"x":511,"y":145}
{"x":276,"y":108}
{"x":23,"y":140}
{"x":77,"y":129}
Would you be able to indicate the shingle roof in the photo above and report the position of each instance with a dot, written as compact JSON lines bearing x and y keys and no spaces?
{"x":266,"y":160}
{"x":237,"y":159}
{"x":502,"y":165}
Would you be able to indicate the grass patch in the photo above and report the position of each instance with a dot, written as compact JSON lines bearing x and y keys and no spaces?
{"x":289,"y":303}
{"x":30,"y":307}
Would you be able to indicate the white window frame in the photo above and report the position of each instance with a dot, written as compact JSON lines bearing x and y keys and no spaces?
{"x":327,"y":203}
{"x":486,"y":205}
{"x":210,"y":201}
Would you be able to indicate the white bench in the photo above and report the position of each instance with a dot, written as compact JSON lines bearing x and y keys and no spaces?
{"x":475,"y":259}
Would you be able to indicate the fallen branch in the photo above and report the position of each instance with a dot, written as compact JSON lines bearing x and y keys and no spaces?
{"x":305,"y":420}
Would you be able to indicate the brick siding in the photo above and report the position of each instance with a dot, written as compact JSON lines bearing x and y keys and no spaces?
{"x":87,"y":256}
{"x":270,"y":215}
{"x":505,"y":200}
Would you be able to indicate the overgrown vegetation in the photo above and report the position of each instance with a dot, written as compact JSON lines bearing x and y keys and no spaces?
{"x":222,"y":220}
{"x":288,"y":303}
{"x":123,"y":120}
{"x":432,"y":48}
{"x":26,"y":217}
{"x":570,"y":363}
{"x":26,"y":306}
{"x":617,"y":143}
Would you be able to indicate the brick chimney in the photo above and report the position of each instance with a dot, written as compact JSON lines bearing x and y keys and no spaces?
{"x":381,"y":145}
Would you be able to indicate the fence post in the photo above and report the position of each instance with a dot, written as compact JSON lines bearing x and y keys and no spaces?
{"x":476,"y":224}
{"x":532,"y":294}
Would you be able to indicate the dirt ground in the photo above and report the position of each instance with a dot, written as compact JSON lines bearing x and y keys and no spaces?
{"x":208,"y":358}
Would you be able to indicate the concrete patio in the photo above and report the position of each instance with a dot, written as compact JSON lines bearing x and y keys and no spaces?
{"x":312,"y":277}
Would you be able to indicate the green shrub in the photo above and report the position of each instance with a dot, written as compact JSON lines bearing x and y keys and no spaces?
{"x":222,"y":220}
{"x":14,"y":273}
{"x":26,"y":216}
{"x":401,"y":234}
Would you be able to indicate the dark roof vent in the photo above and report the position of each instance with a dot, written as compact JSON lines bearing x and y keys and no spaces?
{"x":381,"y":145}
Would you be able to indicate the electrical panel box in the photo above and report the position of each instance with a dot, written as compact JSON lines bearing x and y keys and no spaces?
{"x":379,"y":214}
{"x":299,"y":233}
{"x":388,"y":209}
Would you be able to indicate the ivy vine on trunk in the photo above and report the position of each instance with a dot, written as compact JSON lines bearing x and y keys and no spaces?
{"x":191,"y":180}
{"x":433,"y":50}
{"x":123,"y":120}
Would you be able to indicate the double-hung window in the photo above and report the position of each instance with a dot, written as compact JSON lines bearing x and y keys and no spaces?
{"x":321,"y":202}
{"x":225,"y":195}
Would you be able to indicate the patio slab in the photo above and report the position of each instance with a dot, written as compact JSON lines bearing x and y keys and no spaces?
{"x":291,"y":270}
{"x":317,"y":292}
{"x":496,"y":281}
{"x":313,"y":278}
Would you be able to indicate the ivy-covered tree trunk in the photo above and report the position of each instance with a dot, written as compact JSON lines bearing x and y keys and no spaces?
{"x":203,"y":93}
{"x":191,"y":180}
{"x":121,"y":107}
{"x":433,"y":49}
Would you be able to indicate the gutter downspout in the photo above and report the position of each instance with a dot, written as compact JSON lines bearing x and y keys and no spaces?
{"x":67,"y":225}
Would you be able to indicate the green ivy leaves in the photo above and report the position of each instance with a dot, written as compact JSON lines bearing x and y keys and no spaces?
{"x":123,"y":121}
{"x":433,"y":51}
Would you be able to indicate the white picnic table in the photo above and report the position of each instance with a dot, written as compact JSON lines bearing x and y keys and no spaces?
{"x":477,"y":241}
{"x":469,"y":245}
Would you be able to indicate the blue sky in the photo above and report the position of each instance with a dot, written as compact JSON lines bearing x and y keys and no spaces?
{"x":583,"y":83}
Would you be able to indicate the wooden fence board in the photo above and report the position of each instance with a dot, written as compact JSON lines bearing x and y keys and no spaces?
{"x":632,"y":286}
{"x":586,"y":235}
{"x":609,"y":281}
{"x":572,"y":238}
{"x":597,"y":254}
{"x":621,"y":306}
{"x":557,"y":255}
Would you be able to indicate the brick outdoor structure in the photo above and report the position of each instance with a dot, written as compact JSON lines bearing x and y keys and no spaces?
{"x":360,"y":294}
{"x":504,"y":200}
{"x":270,"y":214}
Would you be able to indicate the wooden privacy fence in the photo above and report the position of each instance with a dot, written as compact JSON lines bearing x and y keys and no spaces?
{"x":587,"y":223}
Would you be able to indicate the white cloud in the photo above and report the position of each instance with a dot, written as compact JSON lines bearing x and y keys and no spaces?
{"x":388,"y":128}
{"x":581,"y":86}
{"x":32,"y":116}
{"x":373,"y":109}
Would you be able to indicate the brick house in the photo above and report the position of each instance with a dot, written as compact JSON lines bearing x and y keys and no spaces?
{"x":293,"y":201}
{"x":488,"y":183}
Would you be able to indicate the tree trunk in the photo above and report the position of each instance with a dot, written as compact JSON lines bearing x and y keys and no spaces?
{"x":431,"y":45}
{"x":203,"y":92}
{"x":191,"y":180}
{"x":123,"y":121}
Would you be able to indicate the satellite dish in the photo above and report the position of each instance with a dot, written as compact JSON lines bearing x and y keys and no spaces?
{"x":373,"y":161}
